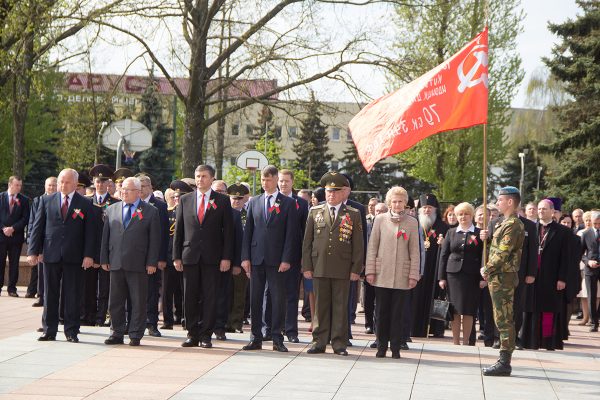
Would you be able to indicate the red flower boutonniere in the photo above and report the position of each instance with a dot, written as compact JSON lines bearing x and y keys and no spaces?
{"x":17,"y":202}
{"x":77,"y":213}
{"x":137,"y":214}
{"x":402,"y":233}
{"x":472,"y":240}
{"x":212,"y":204}
{"x":432,"y":233}
{"x":275,"y":207}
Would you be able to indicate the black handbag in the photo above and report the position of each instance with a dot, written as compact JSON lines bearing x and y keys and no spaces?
{"x":440,"y":308}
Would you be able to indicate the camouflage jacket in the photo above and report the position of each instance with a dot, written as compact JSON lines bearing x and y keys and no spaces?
{"x":507,"y":245}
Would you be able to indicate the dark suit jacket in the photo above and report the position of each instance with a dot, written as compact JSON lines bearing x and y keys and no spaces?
{"x":63,"y":241}
{"x":460,"y":252}
{"x":32,"y":213}
{"x":18,"y":219}
{"x":363,"y":220}
{"x":207,"y":243}
{"x":590,"y":249}
{"x":554,"y":267}
{"x":164,"y":226}
{"x":238,"y":228}
{"x":99,"y":212}
{"x":271,"y":242}
{"x":301,"y":208}
{"x":132,"y":248}
{"x":574,"y":273}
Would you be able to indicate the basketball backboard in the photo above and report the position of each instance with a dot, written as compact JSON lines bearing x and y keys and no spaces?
{"x":137,"y":137}
{"x":252,"y":160}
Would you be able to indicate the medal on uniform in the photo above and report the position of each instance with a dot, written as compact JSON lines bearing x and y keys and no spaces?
{"x":426,"y":244}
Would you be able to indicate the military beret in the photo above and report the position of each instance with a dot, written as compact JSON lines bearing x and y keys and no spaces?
{"x":509,"y":190}
{"x":121,"y":174}
{"x":334,"y":181}
{"x":101,"y":171}
{"x":237,"y":190}
{"x":180,"y":186}
{"x":557,"y":202}
{"x":428,"y":200}
{"x":83,"y":180}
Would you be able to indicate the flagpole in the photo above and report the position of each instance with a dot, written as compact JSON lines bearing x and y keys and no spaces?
{"x":485,"y":211}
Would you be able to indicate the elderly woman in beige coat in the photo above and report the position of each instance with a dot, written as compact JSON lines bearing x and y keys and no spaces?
{"x":392,"y":267}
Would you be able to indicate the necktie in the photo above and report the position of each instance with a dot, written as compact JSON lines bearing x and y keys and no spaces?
{"x":127,"y":217}
{"x":201,"y":209}
{"x":332,"y":214}
{"x":12,"y":203}
{"x":267,"y":206}
{"x":64,"y":208}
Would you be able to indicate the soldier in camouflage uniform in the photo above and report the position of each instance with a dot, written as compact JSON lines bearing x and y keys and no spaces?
{"x":501,"y":272}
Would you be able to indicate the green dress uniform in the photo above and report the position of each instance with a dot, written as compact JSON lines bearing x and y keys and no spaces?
{"x":331,"y":250}
{"x":502,"y":270}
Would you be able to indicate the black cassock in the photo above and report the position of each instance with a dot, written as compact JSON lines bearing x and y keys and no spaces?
{"x":427,"y":288}
{"x":544,"y":321}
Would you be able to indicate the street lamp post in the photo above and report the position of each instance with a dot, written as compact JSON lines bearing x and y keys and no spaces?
{"x":539,"y":171}
{"x":522,"y":180}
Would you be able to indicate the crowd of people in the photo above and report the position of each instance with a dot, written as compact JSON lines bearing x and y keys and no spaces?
{"x":112,"y":251}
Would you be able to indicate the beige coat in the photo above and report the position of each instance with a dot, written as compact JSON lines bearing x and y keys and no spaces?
{"x":393,"y":251}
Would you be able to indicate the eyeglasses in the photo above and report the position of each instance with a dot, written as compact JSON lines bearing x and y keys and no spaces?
{"x":128,"y":190}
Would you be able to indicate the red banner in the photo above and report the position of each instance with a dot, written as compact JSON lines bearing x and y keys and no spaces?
{"x":454,"y":95}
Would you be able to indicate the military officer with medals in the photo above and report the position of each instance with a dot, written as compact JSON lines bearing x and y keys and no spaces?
{"x":172,"y":285}
{"x":332,"y":256}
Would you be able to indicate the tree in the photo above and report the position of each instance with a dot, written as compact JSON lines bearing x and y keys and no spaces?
{"x":428,"y":35}
{"x":283,"y":39}
{"x":157,"y":160}
{"x":312,"y":143}
{"x":575,"y":62}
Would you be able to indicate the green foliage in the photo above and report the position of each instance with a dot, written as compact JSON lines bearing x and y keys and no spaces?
{"x":158,"y":160}
{"x":575,"y":62}
{"x":431,"y":33}
{"x":311,"y":145}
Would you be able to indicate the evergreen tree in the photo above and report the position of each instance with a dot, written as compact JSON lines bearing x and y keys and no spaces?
{"x":157,"y":160}
{"x":575,"y":61}
{"x":312,"y":143}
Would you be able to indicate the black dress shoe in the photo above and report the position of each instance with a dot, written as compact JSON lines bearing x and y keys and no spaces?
{"x":267,"y":338}
{"x":246,"y":322}
{"x":153,"y":331}
{"x":594,"y":328}
{"x":134,"y":342}
{"x":373,"y":345}
{"x":47,"y":338}
{"x":404,"y":346}
{"x":206,"y":344}
{"x":229,"y":330}
{"x":293,"y":339}
{"x":40,"y":329}
{"x":380,"y":353}
{"x":341,"y":352}
{"x":579,"y":315}
{"x":315,"y":350}
{"x":369,"y":330}
{"x":396,"y":354}
{"x":220,"y":335}
{"x":408,"y":340}
{"x":280,"y":347}
{"x":167,"y":326}
{"x":73,"y":339}
{"x":38,"y":303}
{"x":349,"y":343}
{"x":13,"y":294}
{"x":253,"y":345}
{"x":114,"y":340}
{"x":189,"y":342}
{"x":29,"y":296}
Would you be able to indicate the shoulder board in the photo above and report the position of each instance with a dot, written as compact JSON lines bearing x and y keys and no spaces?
{"x":352,"y":209}
{"x":318,"y":207}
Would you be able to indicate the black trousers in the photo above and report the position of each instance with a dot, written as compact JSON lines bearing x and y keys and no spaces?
{"x":200,"y":286}
{"x":172,"y":295}
{"x":223,"y":300}
{"x":13,"y":250}
{"x":293,"y":276}
{"x":389,"y":305}
{"x":591,"y":285}
{"x":154,"y":283}
{"x":40,"y":288}
{"x":369,"y":303}
{"x":131,"y":288}
{"x":90,"y":295}
{"x":71,"y":276}
{"x":261,"y":275}
{"x":103,"y":294}
{"x":32,"y":288}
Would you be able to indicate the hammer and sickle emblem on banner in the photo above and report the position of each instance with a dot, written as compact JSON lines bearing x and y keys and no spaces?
{"x":466,"y":80}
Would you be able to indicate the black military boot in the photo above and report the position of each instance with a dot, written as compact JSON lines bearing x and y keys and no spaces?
{"x":501,"y":367}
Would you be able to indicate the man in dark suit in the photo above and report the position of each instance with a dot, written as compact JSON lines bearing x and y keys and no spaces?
{"x":268,"y":250}
{"x":203,"y":247}
{"x":63,"y":238}
{"x":38,"y":270}
{"x":591,"y":258}
{"x":14,"y":216}
{"x":294,"y":275}
{"x":130,"y":248}
{"x":97,"y":281}
{"x":154,"y":280}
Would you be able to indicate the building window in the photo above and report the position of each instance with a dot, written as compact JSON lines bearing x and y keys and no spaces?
{"x":292,"y":131}
{"x":232,"y":160}
{"x":249,"y":130}
{"x":283,"y":162}
{"x":235,"y":130}
{"x":277,"y":132}
{"x":335,"y":134}
{"x":335,"y":165}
